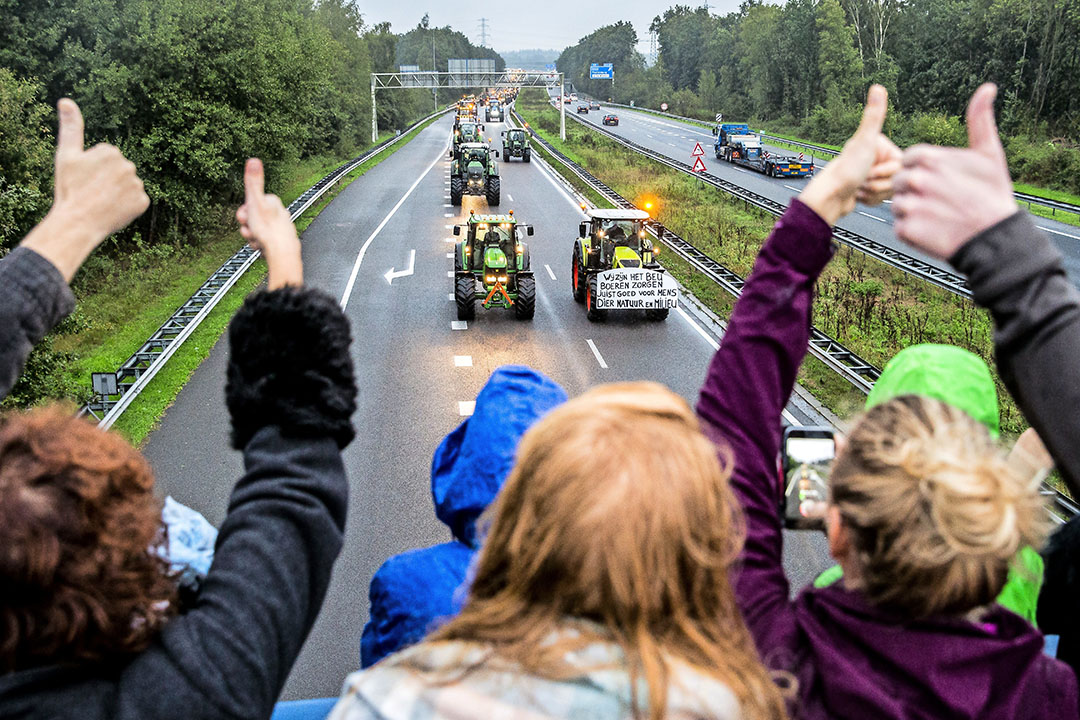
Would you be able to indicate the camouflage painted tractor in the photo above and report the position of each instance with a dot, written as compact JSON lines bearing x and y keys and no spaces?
{"x":515,"y":143}
{"x":611,"y":239}
{"x":473,"y":172}
{"x":465,"y":131}
{"x":492,"y":265}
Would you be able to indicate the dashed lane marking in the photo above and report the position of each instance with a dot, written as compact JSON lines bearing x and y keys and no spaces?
{"x":792,"y":187}
{"x":509,"y":197}
{"x":463,"y":361}
{"x":363,"y":248}
{"x":550,"y":272}
{"x":449,"y":227}
{"x":459,"y":324}
{"x":465,"y":408}
{"x":450,"y":297}
{"x":1058,"y":232}
{"x":872,"y":217}
{"x":450,"y":273}
{"x":450,"y":240}
{"x":448,"y":214}
{"x":596,"y":354}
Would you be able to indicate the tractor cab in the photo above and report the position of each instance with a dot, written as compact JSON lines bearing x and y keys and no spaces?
{"x":618,"y":238}
{"x":492,"y":265}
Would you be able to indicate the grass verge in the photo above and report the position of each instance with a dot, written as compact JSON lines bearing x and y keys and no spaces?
{"x":111,"y":323}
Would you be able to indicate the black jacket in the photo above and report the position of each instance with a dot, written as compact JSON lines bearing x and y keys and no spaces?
{"x":229,"y":655}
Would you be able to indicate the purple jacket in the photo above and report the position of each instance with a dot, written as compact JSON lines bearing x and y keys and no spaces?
{"x":851,"y":659}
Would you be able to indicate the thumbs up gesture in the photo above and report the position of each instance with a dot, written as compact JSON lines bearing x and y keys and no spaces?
{"x":96,"y":193}
{"x":946,"y":196}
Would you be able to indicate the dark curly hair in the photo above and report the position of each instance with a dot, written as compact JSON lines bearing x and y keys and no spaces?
{"x":79,"y":530}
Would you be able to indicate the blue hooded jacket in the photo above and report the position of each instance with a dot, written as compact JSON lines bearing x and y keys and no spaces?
{"x":413,"y":590}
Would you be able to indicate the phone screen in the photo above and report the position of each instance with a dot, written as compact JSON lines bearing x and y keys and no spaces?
{"x":808,"y":456}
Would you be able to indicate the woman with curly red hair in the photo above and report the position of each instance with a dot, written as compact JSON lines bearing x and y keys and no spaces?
{"x":89,"y":624}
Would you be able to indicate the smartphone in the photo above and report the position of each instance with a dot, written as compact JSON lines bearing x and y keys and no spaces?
{"x":806,"y":459}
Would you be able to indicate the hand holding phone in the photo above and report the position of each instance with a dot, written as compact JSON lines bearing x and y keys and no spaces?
{"x":807,"y":458}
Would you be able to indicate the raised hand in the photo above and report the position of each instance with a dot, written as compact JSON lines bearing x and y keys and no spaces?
{"x":862,"y":172}
{"x":946,"y":196}
{"x":266,"y":225}
{"x":97,"y":192}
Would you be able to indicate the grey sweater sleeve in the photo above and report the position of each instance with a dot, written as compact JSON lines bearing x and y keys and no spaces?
{"x":1016,"y":273}
{"x":33,"y":299}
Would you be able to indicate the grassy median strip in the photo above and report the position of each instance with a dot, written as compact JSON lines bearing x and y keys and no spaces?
{"x":144,"y":290}
{"x":872,"y":308}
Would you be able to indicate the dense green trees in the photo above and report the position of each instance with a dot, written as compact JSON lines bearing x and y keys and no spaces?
{"x":188,"y":89}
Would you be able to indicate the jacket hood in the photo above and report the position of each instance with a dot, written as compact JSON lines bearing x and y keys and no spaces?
{"x":947,"y":373}
{"x":872,"y":664}
{"x":472,"y":462}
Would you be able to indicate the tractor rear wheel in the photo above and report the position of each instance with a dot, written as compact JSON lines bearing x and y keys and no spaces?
{"x":527,"y":156}
{"x":577,"y":275}
{"x":592,"y":312}
{"x":657,"y":314}
{"x":455,"y":191}
{"x":465,"y":297}
{"x":494,"y":186}
{"x":525,"y":305}
{"x":506,"y":156}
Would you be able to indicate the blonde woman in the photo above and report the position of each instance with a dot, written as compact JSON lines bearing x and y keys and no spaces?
{"x":925,"y":514}
{"x":601,"y":589}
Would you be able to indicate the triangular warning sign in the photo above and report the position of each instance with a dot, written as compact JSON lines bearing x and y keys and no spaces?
{"x":698,"y":152}
{"x":699,"y":166}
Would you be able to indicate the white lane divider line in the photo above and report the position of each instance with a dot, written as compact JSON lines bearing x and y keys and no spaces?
{"x":450,"y":255}
{"x":596,"y":353}
{"x":450,"y":297}
{"x":448,"y":214}
{"x":447,"y":205}
{"x":363,"y":248}
{"x":449,"y":239}
{"x":550,"y":272}
{"x":716,"y":346}
{"x":449,"y":273}
{"x":465,"y":408}
{"x":872,"y":217}
{"x":742,"y":171}
{"x":887,"y":202}
{"x":792,"y":187}
{"x":463,"y":361}
{"x":459,"y":324}
{"x":1058,"y":232}
{"x":449,"y":227}
{"x":509,"y":197}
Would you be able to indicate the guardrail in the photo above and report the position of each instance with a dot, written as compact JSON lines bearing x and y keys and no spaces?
{"x":1053,"y":205}
{"x":902,"y":261}
{"x":838,"y":358}
{"x":138,"y":370}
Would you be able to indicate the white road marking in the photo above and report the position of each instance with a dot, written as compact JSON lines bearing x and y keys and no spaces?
{"x":450,"y":255}
{"x":447,"y":204}
{"x":463,"y":361}
{"x":550,"y":272}
{"x":391,"y":275}
{"x":363,"y":248}
{"x":741,"y":170}
{"x":887,"y":202}
{"x":791,"y":187}
{"x":716,"y":346}
{"x":1058,"y":232}
{"x":596,"y":353}
{"x":450,"y":240}
{"x":872,"y":217}
{"x":459,"y":324}
{"x":465,"y":408}
{"x":448,"y":214}
{"x":450,"y":297}
{"x":450,"y":273}
{"x":554,"y":184}
{"x":449,"y":227}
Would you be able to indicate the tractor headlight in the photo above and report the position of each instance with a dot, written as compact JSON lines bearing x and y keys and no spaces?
{"x":502,"y":278}
{"x":490,"y":279}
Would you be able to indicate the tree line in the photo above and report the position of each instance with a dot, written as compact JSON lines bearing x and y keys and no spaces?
{"x":188,"y":89}
{"x":804,"y":66}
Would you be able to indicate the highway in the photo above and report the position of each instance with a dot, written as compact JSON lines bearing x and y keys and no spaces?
{"x":418,"y":369}
{"x":676,"y":139}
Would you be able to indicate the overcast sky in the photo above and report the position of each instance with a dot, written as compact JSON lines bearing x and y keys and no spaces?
{"x":548,"y":24}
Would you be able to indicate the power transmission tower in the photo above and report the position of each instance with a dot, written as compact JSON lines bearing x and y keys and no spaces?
{"x":483,"y":32}
{"x":652,"y":48}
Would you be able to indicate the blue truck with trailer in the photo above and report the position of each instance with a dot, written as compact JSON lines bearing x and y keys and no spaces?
{"x":737,"y":145}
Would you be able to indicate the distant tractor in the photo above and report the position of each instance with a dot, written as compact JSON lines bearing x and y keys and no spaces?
{"x":611,"y":240}
{"x":494,"y":112}
{"x":491,"y":264}
{"x":465,"y":132}
{"x":515,"y":143}
{"x":474,"y":172}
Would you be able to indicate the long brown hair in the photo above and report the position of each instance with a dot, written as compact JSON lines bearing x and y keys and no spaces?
{"x":618,"y":511}
{"x":935,"y":512}
{"x":78,"y":526}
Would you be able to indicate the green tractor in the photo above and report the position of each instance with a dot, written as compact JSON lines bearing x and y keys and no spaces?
{"x":473,"y":172}
{"x":610,"y":240}
{"x":492,"y":265}
{"x":465,"y":131}
{"x":515,"y":143}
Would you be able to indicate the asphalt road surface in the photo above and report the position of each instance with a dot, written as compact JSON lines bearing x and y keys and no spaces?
{"x":417,"y":373}
{"x":676,"y":139}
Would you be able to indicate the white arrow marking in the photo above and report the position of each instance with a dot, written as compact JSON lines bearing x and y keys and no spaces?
{"x":390,"y":274}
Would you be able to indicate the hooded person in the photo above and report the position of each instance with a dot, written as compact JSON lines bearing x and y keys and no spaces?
{"x":961,"y":379}
{"x":411,"y":592}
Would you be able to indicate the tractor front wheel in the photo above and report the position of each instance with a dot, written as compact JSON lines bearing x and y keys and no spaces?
{"x":494,"y":186}
{"x":455,"y":191}
{"x":657,"y":314}
{"x":525,"y":305}
{"x":527,"y":157}
{"x":465,"y":297}
{"x":592,"y":312}
{"x":506,"y":156}
{"x":577,"y":275}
